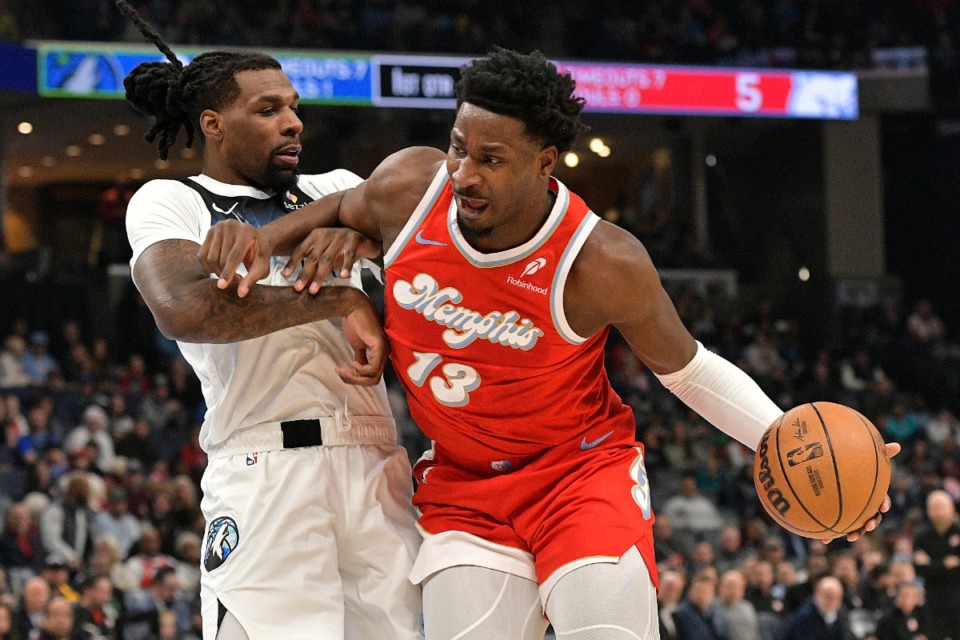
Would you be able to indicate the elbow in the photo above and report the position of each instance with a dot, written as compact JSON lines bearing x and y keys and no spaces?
{"x":172,"y":326}
{"x":176,"y":322}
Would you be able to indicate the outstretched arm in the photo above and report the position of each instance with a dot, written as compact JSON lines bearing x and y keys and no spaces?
{"x":376,"y":209}
{"x":634,"y":301}
{"x":189,"y":306}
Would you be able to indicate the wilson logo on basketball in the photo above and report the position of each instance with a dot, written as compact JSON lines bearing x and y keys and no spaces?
{"x":765,"y":478}
{"x":805,"y":453}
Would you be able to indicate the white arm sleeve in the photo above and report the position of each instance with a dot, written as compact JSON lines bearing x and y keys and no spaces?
{"x":724,"y":395}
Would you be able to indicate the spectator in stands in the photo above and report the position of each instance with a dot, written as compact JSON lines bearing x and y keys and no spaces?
{"x":844,"y":568}
{"x":760,"y":582}
{"x":138,"y":444}
{"x":192,"y":459}
{"x":40,"y":437}
{"x":858,"y":376}
{"x":690,"y":511}
{"x":12,"y":373}
{"x":762,"y":356}
{"x":36,"y":361}
{"x":184,"y":505}
{"x":739,"y":616}
{"x":822,"y":616}
{"x":119,"y":420}
{"x":76,"y":364}
{"x":907,"y":620}
{"x":57,"y":575}
{"x":672,"y":584}
{"x":134,"y":378}
{"x":943,"y":427}
{"x":93,"y":614}
{"x":58,"y":623}
{"x":8,"y":630}
{"x":696,"y":616}
{"x":184,"y":385}
{"x":901,"y":425}
{"x":145,"y":606}
{"x":148,"y":559}
{"x":731,"y":554}
{"x":65,"y":526}
{"x":116,"y":521}
{"x":701,"y":558}
{"x":924,"y":327}
{"x":163,"y":412}
{"x":14,"y":422}
{"x":20,"y":546}
{"x":187,"y":560}
{"x":33,"y":605}
{"x":937,"y":557}
{"x":905,"y":498}
{"x":670,"y":549}
{"x":876,"y":589}
{"x":784,"y":577}
{"x":821,"y":387}
{"x":93,"y":429}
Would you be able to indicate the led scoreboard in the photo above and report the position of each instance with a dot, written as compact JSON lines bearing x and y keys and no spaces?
{"x":97,"y":71}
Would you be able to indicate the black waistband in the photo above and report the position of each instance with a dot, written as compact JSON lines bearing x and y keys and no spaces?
{"x":301,"y":433}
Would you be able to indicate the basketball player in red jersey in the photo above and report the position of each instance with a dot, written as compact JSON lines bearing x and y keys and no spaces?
{"x":501,"y":288}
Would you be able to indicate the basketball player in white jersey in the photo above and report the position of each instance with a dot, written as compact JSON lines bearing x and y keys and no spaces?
{"x":310,"y":530}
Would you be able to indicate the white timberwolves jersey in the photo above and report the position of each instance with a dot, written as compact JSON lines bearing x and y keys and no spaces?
{"x":286,"y":375}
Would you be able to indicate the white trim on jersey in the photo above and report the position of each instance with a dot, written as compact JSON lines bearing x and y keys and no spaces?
{"x":500,"y":258}
{"x":418,"y":215}
{"x":560,"y":279}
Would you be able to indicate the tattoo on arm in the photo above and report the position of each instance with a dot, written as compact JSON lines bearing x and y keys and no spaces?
{"x":188,"y":306}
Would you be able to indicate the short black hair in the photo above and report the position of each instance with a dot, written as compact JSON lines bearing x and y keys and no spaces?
{"x":527,"y":87}
{"x":175,"y":94}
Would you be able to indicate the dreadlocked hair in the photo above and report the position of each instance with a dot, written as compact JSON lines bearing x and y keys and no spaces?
{"x":176,"y":95}
{"x":526,"y":87}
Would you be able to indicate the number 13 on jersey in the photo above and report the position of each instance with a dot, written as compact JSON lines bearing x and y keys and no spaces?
{"x":453,"y":388}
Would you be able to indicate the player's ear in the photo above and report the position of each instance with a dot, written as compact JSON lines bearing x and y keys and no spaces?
{"x":547,"y":160}
{"x":211,"y":124}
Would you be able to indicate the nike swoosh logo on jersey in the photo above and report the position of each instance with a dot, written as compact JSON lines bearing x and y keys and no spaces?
{"x":590,"y":445}
{"x":421,"y":240}
{"x":227,"y":211}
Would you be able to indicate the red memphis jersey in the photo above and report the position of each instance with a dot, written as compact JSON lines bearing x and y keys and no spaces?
{"x":494,"y":375}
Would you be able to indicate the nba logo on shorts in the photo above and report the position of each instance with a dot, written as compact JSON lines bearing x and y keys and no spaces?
{"x":251,"y":459}
{"x":222,"y":538}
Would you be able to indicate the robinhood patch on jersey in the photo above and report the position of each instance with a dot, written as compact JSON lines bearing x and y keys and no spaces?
{"x":223,"y":536}
{"x":425,"y":296}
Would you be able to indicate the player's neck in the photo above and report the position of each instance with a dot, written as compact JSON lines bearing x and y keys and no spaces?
{"x":514,"y":233}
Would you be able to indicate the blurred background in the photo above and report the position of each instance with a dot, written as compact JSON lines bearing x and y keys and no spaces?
{"x":810,"y":234}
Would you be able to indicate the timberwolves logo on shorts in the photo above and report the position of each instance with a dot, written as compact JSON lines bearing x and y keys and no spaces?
{"x":222,"y":538}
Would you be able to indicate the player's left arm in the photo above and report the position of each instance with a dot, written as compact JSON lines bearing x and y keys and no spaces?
{"x":633,"y":300}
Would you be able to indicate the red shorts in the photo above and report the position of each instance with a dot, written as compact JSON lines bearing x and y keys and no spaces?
{"x":564,"y":506}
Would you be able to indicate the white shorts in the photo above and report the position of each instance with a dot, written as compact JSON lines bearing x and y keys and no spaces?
{"x":314,"y":543}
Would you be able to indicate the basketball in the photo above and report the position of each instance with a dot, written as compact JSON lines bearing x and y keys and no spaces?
{"x":821,"y":471}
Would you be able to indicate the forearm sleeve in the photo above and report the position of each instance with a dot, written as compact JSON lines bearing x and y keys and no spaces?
{"x":724,"y":395}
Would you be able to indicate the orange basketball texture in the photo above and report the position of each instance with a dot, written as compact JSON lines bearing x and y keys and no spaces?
{"x":821,"y":470}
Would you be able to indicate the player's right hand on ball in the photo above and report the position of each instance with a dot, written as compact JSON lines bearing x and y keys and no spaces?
{"x":363,"y":331}
{"x":325,"y":250}
{"x":232,"y":243}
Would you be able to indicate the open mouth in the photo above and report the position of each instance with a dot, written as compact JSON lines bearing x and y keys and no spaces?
{"x":288,"y":156}
{"x":471,"y":207}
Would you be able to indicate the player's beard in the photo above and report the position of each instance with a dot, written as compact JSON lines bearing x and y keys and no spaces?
{"x":471,"y":232}
{"x":279,"y":180}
